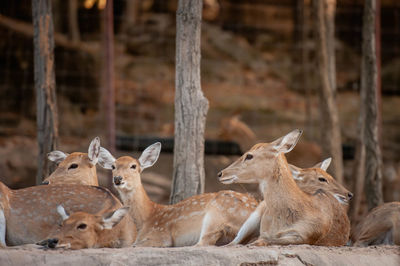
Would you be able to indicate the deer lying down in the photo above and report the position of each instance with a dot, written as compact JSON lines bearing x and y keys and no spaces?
{"x":83,"y":230}
{"x":380,"y":226}
{"x":202,"y":220}
{"x":311,"y":180}
{"x":75,"y":168}
{"x":29,"y":215}
{"x":287,"y":215}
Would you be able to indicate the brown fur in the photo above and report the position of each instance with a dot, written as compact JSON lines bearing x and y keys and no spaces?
{"x":31,"y":212}
{"x":290,"y":216}
{"x":380,"y":226}
{"x":84,"y":174}
{"x":94,"y":235}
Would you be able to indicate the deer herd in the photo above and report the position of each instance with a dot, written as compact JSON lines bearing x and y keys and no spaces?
{"x":298,"y":206}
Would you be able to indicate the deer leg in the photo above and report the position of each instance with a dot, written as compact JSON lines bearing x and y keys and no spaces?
{"x":260,"y":242}
{"x":396,"y":231}
{"x":209,"y":233}
{"x":2,"y":229}
{"x":250,"y":225}
{"x":287,"y":237}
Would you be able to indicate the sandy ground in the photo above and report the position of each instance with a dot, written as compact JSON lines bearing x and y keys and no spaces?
{"x":239,"y":255}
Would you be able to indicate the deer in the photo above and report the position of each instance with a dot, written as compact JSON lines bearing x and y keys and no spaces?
{"x":380,"y":226}
{"x":29,"y":215}
{"x":85,"y":230}
{"x":205,"y":219}
{"x":75,"y":168}
{"x":287,"y":215}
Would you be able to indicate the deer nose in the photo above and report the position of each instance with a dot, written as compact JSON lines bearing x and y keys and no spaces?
{"x":52,"y":242}
{"x":45,"y":182}
{"x":350,"y":195}
{"x":220,"y":174}
{"x":117,"y":180}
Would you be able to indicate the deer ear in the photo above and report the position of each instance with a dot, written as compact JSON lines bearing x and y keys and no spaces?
{"x":150,"y":155}
{"x":106,"y":160}
{"x":57,"y":156}
{"x":61,"y":211}
{"x":286,"y":143}
{"x":112,"y":219}
{"x":324,"y":164}
{"x":295,"y":172}
{"x":94,"y":150}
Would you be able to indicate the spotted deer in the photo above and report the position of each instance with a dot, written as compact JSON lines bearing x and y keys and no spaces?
{"x":380,"y":226}
{"x":29,"y":215}
{"x":75,"y":168}
{"x":311,"y":180}
{"x":204,"y":219}
{"x":84,"y":230}
{"x":287,"y":215}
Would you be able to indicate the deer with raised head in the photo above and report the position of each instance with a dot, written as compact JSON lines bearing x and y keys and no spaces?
{"x":29,"y":215}
{"x":287,"y":215}
{"x":204,"y":219}
{"x":311,"y":180}
{"x":75,"y":168}
{"x":84,"y":230}
{"x":380,"y":227}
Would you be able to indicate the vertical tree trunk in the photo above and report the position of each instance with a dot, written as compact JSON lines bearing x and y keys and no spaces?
{"x":324,"y":11}
{"x":73,"y":25}
{"x":131,"y":16}
{"x":108,"y":79}
{"x":190,"y":104}
{"x":369,"y":105}
{"x":46,"y":101}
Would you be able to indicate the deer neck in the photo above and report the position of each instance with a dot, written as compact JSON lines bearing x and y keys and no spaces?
{"x":141,"y":207}
{"x":280,"y":188}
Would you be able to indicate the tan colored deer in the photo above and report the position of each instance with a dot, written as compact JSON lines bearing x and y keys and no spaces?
{"x":311,"y":180}
{"x":84,"y":230}
{"x":29,"y":215}
{"x":287,"y":215}
{"x":380,"y":226}
{"x":75,"y":168}
{"x":202,"y":220}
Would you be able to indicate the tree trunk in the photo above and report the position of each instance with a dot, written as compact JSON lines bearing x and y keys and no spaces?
{"x":73,"y":25}
{"x":131,"y":16}
{"x":46,"y":101}
{"x":369,"y":105}
{"x":324,"y":11}
{"x":190,"y":105}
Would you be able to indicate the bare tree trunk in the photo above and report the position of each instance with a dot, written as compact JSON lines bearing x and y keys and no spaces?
{"x":45,"y":85}
{"x":324,"y":11}
{"x":190,"y":104}
{"x":369,"y":105}
{"x":73,"y":25}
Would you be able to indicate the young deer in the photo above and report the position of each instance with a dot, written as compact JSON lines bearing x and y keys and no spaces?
{"x":380,"y":226}
{"x":202,"y":220}
{"x":75,"y":168}
{"x":29,"y":215}
{"x":84,"y":230}
{"x":287,"y":215}
{"x":311,"y":180}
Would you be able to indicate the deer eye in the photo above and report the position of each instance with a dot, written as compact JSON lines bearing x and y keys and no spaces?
{"x":133,"y":166}
{"x":82,"y":226}
{"x":113,"y":167}
{"x":248,"y":157}
{"x":73,"y":166}
{"x":321,"y":179}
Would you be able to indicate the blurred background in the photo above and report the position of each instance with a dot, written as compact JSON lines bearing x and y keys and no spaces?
{"x":258,"y":72}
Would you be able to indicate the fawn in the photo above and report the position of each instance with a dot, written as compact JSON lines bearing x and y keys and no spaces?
{"x":287,"y":215}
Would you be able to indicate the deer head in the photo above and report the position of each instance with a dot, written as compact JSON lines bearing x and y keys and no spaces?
{"x":260,"y":161}
{"x":75,"y":168}
{"x":83,"y":230}
{"x":126,"y":170}
{"x":316,"y":177}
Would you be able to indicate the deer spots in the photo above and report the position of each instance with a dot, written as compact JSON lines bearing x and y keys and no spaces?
{"x":244,"y":213}
{"x":231,"y":210}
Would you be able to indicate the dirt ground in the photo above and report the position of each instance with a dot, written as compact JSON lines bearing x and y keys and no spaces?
{"x":240,"y":255}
